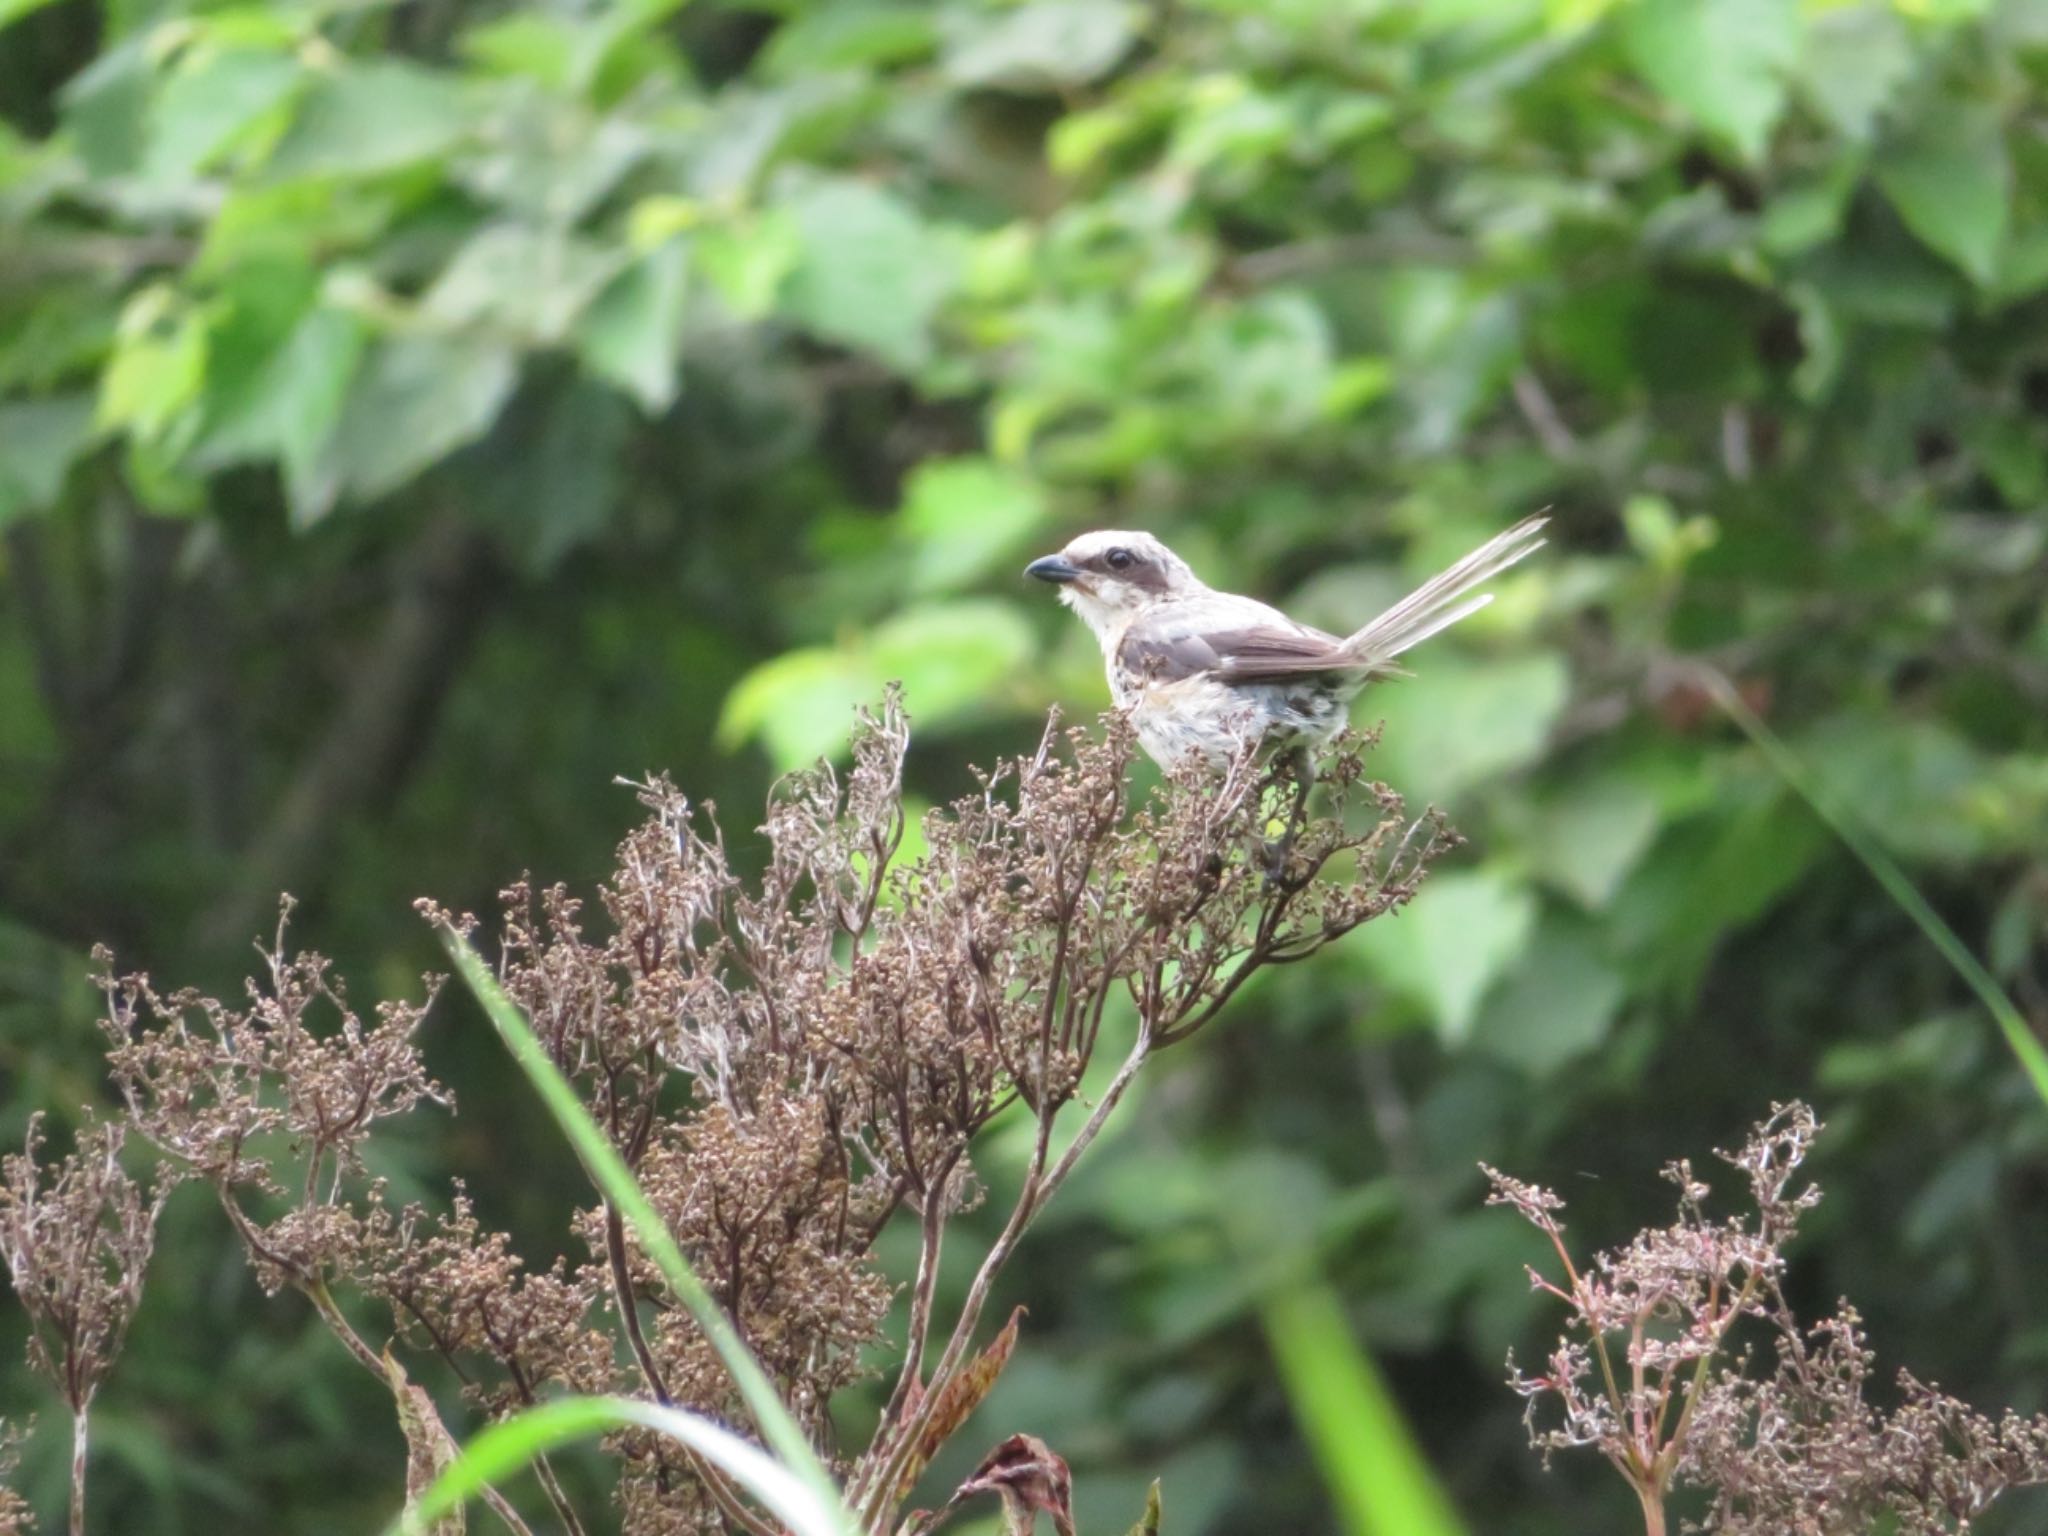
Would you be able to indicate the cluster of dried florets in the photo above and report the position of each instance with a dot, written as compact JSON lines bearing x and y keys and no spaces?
{"x":848,"y":1022}
{"x":1649,"y":1375}
{"x":76,"y":1249}
{"x":787,"y":1063}
{"x":16,"y":1518}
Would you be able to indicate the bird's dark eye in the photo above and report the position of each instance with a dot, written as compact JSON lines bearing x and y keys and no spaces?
{"x":1119,"y":559}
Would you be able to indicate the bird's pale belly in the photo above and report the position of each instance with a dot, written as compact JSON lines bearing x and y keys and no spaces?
{"x":1214,"y":721}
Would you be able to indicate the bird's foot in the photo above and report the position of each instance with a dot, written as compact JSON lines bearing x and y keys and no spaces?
{"x":1276,"y":859}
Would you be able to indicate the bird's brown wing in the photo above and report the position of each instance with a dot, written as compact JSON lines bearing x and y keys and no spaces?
{"x":1256,"y":652}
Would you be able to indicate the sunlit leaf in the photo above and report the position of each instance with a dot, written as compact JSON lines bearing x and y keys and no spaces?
{"x":747,"y":264}
{"x":204,"y":106}
{"x":155,"y":373}
{"x":871,"y":273}
{"x":798,"y":704}
{"x":965,"y":516}
{"x":952,"y":658}
{"x":1722,"y":61}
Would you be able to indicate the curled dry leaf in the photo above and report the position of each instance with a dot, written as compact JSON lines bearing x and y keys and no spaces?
{"x":958,"y":1398}
{"x":428,"y":1450}
{"x":1030,"y":1478}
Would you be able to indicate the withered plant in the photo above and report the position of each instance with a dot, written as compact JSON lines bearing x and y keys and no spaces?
{"x":787,"y":1063}
{"x":1657,"y":1372}
{"x":76,"y":1250}
{"x":16,"y":1518}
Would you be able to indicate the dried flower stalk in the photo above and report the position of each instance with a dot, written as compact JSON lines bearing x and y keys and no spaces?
{"x":1648,"y":1374}
{"x":76,"y":1252}
{"x":788,"y":1062}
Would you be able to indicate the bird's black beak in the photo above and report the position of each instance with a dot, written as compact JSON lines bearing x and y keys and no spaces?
{"x":1053,"y":568}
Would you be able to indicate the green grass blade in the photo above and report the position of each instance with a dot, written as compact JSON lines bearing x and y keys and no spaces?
{"x":1377,"y":1476}
{"x":512,"y":1444}
{"x":609,"y":1172}
{"x":2026,"y":1046}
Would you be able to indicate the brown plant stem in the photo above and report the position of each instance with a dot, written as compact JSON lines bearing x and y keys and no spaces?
{"x":316,"y":1291}
{"x":1652,"y":1500}
{"x":78,"y":1444}
{"x":629,"y":1314}
{"x":1040,"y":1183}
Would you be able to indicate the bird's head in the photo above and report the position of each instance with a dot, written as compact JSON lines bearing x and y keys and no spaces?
{"x":1111,"y":576}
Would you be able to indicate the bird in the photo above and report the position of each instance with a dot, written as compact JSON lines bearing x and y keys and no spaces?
{"x":1206,"y":677}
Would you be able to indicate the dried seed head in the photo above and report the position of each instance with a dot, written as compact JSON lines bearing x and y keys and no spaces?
{"x":76,"y":1250}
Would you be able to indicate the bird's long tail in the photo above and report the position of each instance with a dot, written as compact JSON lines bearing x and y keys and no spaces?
{"x":1446,"y":598}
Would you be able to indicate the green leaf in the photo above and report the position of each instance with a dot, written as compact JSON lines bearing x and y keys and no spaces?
{"x":1722,"y":62}
{"x":106,"y":107}
{"x":14,"y":10}
{"x":1458,"y":722}
{"x":633,"y":335}
{"x":367,"y":118}
{"x":1591,"y":834}
{"x":1855,"y":59}
{"x":39,"y":439}
{"x":555,"y":482}
{"x":1557,"y":1004}
{"x":1911,"y":778}
{"x":964,"y":516}
{"x":421,"y":398}
{"x":158,"y":367}
{"x":1042,"y":45}
{"x":512,"y":1444}
{"x":1445,"y":949}
{"x":522,"y":280}
{"x":798,"y":704}
{"x":289,"y":409}
{"x":1951,"y":181}
{"x":871,"y":274}
{"x":1376,"y":1473}
{"x":749,"y":263}
{"x":849,"y":36}
{"x":205,"y":105}
{"x":952,"y":658}
{"x":799,"y":1490}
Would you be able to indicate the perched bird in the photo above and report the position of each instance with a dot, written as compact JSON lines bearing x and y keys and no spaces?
{"x":1207,"y":674}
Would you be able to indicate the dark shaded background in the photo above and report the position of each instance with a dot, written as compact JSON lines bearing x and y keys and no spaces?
{"x":413,"y":416}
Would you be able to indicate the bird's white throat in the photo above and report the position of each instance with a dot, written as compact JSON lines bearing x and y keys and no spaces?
{"x":1106,"y":619}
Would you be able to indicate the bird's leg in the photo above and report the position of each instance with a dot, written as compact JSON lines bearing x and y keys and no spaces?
{"x":1303,"y":769}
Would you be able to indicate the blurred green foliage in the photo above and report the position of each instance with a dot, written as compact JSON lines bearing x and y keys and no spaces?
{"x":413,"y":415}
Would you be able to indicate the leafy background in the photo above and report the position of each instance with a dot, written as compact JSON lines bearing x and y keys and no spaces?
{"x":412,"y":416}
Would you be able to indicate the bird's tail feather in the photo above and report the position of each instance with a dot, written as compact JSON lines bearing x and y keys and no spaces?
{"x":1446,"y":598}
